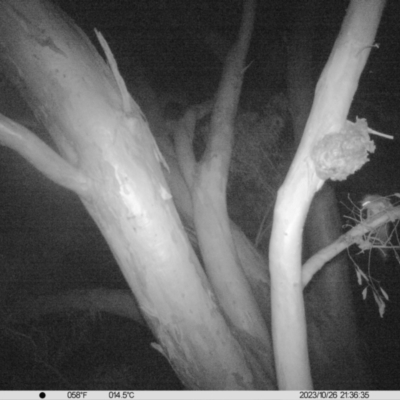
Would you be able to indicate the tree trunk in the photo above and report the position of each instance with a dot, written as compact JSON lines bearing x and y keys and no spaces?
{"x":329,"y":297}
{"x":110,"y":159}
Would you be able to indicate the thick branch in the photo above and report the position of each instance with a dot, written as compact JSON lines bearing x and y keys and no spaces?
{"x":43,"y":157}
{"x":334,"y":93}
{"x":210,"y":210}
{"x":209,"y":192}
{"x":222,"y":121}
{"x":76,"y":93}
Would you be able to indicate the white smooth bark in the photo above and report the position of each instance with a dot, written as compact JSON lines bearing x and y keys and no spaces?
{"x":333,"y":96}
{"x":100,"y":132}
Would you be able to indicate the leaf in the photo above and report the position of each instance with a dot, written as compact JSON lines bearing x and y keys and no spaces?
{"x":359,"y":279}
{"x":362,"y":273}
{"x":381,"y":304}
{"x":382,"y":307}
{"x":385,"y":295}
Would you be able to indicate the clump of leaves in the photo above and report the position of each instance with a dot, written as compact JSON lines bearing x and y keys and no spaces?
{"x":383,"y":239}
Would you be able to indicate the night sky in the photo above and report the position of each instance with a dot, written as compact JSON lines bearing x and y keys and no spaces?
{"x":45,"y":232}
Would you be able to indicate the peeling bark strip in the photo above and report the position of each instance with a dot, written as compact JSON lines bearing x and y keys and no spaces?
{"x":83,"y":105}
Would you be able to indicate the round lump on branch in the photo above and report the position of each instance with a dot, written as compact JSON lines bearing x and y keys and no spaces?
{"x":337,"y":155}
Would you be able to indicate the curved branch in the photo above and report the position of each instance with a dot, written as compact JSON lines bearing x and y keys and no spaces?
{"x":220,"y":256}
{"x":227,"y":100}
{"x":333,"y":96}
{"x":43,"y":157}
{"x":354,"y":236}
{"x":254,"y":265}
{"x":209,"y":194}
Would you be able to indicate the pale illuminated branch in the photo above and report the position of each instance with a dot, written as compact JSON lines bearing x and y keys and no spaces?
{"x":227,"y":98}
{"x":355,"y":235}
{"x":41,"y":156}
